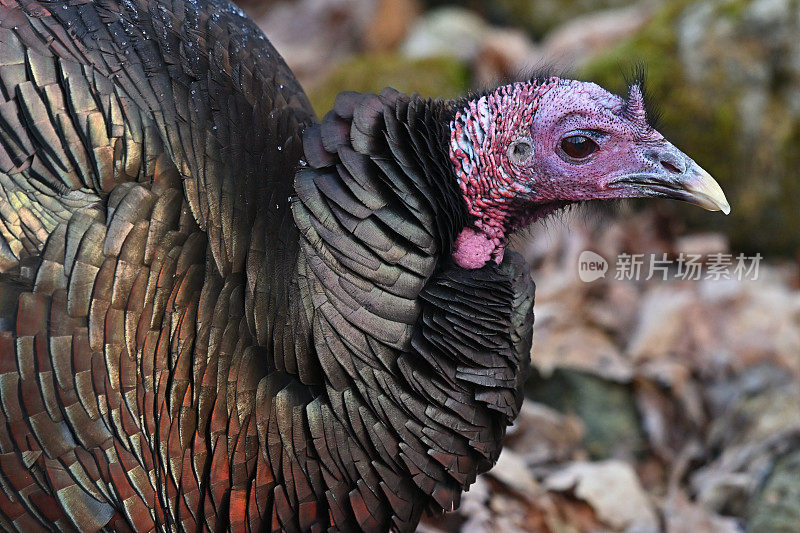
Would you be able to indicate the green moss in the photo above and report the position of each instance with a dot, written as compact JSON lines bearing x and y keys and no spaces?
{"x":441,"y":76}
{"x":733,"y":9}
{"x":776,"y":509}
{"x":607,"y":409}
{"x":703,"y":119}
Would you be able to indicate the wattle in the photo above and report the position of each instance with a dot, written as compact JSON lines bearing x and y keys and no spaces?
{"x":473,"y":249}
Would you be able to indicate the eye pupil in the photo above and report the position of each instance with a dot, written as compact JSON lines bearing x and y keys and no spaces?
{"x":578,"y":146}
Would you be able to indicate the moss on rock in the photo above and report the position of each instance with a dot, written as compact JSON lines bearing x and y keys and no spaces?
{"x":439,"y":76}
{"x":755,"y":159}
{"x":606,"y":408}
{"x":776,"y":509}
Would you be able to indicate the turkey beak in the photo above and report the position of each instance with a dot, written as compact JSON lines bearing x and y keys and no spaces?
{"x":703,"y":190}
{"x":678,"y":177}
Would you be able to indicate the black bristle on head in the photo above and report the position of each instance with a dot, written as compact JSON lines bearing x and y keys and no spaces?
{"x":636,"y":76}
{"x":535,"y":75}
{"x":542,"y":72}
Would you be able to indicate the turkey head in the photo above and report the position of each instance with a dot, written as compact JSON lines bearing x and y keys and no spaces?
{"x":525,"y":150}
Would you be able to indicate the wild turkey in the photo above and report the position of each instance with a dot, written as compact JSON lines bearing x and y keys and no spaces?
{"x":217,"y":314}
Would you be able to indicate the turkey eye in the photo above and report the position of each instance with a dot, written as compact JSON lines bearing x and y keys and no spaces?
{"x":578,"y":146}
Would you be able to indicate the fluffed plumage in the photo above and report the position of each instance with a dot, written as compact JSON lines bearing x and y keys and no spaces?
{"x":193,"y":335}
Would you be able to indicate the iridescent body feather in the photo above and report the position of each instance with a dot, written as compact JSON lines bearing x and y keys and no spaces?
{"x":217,"y":313}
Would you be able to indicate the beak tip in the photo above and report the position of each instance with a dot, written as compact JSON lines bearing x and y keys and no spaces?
{"x":717,"y":204}
{"x":706,"y":192}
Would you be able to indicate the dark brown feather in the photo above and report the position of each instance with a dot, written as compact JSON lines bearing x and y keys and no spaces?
{"x":216,"y":314}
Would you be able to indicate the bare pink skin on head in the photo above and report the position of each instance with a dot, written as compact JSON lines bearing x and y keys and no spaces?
{"x":507,"y":151}
{"x":478,"y":135}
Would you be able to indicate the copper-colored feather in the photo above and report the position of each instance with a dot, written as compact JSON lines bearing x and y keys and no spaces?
{"x":198,"y":331}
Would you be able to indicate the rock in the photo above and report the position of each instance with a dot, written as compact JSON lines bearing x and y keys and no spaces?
{"x":505,"y":54}
{"x":776,"y":508}
{"x":612,"y":489}
{"x":390,"y":24}
{"x":575,"y":43}
{"x":450,"y":31}
{"x":537,"y":18}
{"x":607,"y":410}
{"x":495,"y":53}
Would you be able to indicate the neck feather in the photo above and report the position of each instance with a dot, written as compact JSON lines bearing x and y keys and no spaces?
{"x":411,"y":367}
{"x":480,"y":133}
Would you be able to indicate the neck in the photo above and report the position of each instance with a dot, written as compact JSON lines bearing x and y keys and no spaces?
{"x":378,"y":207}
{"x":480,"y":134}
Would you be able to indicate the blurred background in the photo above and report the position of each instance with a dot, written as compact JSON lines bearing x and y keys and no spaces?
{"x":654,"y":405}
